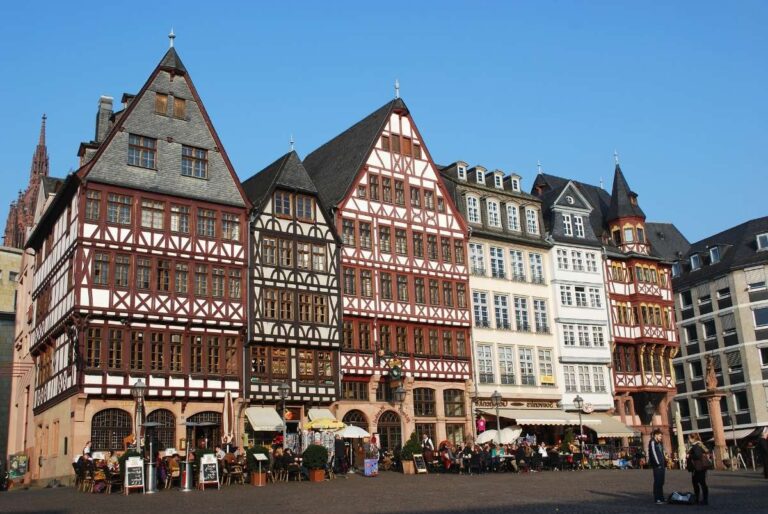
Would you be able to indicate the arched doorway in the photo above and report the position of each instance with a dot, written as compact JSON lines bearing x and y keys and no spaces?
{"x":390,"y":431}
{"x":356,"y":418}
{"x":166,"y":432}
{"x":108,"y":429}
{"x":207,"y":436}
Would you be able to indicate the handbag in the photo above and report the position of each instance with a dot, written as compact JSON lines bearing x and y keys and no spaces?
{"x":704,"y":463}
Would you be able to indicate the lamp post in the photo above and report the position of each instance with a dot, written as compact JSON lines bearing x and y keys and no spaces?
{"x":284,"y":389}
{"x":186,"y":483}
{"x":649,"y":410}
{"x":399,"y":394}
{"x":496,"y":401}
{"x":137,"y":391}
{"x":578,"y":402}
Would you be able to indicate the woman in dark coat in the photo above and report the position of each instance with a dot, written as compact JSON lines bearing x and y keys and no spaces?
{"x":699,"y":457}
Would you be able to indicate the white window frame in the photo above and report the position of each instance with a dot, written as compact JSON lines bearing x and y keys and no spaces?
{"x":498,"y":268}
{"x":515,"y":184}
{"x":461,"y":171}
{"x":578,"y":224}
{"x":569,"y":335}
{"x":476,"y":259}
{"x":762,"y":241}
{"x":566,"y":295}
{"x":536,"y":264}
{"x":695,"y":262}
{"x":567,"y":225}
{"x":522,"y":317}
{"x":595,"y":298}
{"x":480,"y":308}
{"x":714,"y":255}
{"x":513,"y":217}
{"x":577,"y":260}
{"x":517,"y":265}
{"x":507,"y":365}
{"x":526,"y":359}
{"x":562,"y":259}
{"x":480,"y":177}
{"x":532,"y":220}
{"x":485,"y":363}
{"x":498,"y":181}
{"x":598,"y":336}
{"x":493,"y":213}
{"x":473,"y":209}
{"x":501,"y":311}
{"x":569,"y":375}
{"x":591,"y":259}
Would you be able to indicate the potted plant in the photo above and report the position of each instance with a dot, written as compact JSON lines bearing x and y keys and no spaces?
{"x":412,"y":446}
{"x":315,"y":458}
{"x":257,"y":478}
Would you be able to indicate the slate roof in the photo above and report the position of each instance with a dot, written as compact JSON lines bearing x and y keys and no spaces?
{"x":287,"y":172}
{"x":623,"y":199}
{"x":598,"y":198}
{"x":51,"y":185}
{"x":666,"y":240}
{"x":172,"y":62}
{"x":738,"y":249}
{"x":334,"y":166}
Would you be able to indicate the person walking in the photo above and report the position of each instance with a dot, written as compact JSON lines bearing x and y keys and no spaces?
{"x":658,"y":464}
{"x":699,"y":457}
{"x":762,"y":446}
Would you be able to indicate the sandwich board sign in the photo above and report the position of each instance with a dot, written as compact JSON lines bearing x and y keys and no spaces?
{"x":209,"y":471}
{"x":134,"y":474}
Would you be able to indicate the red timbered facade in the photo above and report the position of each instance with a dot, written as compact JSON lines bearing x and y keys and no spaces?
{"x":140,"y":269}
{"x":404,"y":280}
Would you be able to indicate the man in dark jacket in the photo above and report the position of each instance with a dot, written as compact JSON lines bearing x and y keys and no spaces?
{"x":658,"y":463}
{"x":762,"y":445}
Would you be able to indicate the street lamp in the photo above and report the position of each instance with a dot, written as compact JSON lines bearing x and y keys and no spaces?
{"x":400,"y":395}
{"x":138,"y":391}
{"x":496,"y":401}
{"x":283,"y":390}
{"x":578,"y":402}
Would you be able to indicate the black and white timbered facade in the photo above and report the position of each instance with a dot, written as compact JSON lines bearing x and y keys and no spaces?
{"x":294,"y":279}
{"x":140,"y":263}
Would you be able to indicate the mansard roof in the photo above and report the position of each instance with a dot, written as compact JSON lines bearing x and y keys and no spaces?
{"x":738,"y":250}
{"x":623,"y":199}
{"x":287,"y":172}
{"x":334,"y":165}
{"x":666,"y":240}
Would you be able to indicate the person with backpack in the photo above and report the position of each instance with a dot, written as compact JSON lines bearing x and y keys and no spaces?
{"x":698,"y":457}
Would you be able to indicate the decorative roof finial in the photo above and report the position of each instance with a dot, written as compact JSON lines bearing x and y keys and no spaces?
{"x":291,"y":142}
{"x":397,"y":88}
{"x":601,"y":183}
{"x":538,"y":166}
{"x":41,"y":140}
{"x":171,"y":37}
{"x":616,"y":156}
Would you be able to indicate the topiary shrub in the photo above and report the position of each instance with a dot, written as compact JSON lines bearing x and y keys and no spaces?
{"x":411,"y":446}
{"x":315,"y":456}
{"x":250,"y":455}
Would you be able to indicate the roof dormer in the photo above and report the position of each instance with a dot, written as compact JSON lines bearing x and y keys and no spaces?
{"x":512,"y":182}
{"x":477,"y":174}
{"x":762,"y":241}
{"x":461,"y":170}
{"x":496,"y":177}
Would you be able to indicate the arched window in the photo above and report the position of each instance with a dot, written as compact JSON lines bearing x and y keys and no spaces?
{"x":210,"y":435}
{"x":473,"y":209}
{"x":356,"y":418}
{"x":108,"y":429}
{"x":390,"y":431}
{"x":166,"y":432}
{"x":424,"y":402}
{"x":513,"y":217}
{"x":492,"y":210}
{"x":453,"y":399}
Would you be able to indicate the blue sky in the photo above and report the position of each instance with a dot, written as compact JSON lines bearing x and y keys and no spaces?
{"x":678,"y":88}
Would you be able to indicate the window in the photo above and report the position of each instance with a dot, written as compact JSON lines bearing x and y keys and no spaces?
{"x":497,"y":262}
{"x":585,"y":382}
{"x":448,"y":294}
{"x":373,"y":184}
{"x":540,"y":315}
{"x":161,"y":103}
{"x":445,"y":249}
{"x":305,"y":308}
{"x":513,"y":217}
{"x":473,"y":209}
{"x":714,"y":255}
{"x":180,"y":219}
{"x":177,"y":355}
{"x":578,"y":224}
{"x":217,"y":282}
{"x":365,"y":336}
{"x":629,"y":235}
{"x":676,"y":269}
{"x":163,"y":275}
{"x":282,"y":203}
{"x":429,"y":200}
{"x":365,"y":235}
{"x":119,"y":209}
{"x":354,"y":391}
{"x":762,"y":241}
{"x":401,"y":242}
{"x":733,"y":361}
{"x":350,"y":285}
{"x":318,"y":257}
{"x":386,"y":189}
{"x":527,"y":376}
{"x":399,"y":193}
{"x":194,"y":162}
{"x":418,"y":341}
{"x":348,"y":335}
{"x":386,"y":286}
{"x":415,"y":197}
{"x":137,"y":350}
{"x":453,"y":402}
{"x":696,"y":369}
{"x":598,"y":338}
{"x":181,"y":278}
{"x":230,"y":226}
{"x":517,"y":265}
{"x":532,"y":220}
{"x":179,"y":108}
{"x":569,"y":373}
{"x":109,"y":427}
{"x":577,"y":256}
{"x":598,"y":378}
{"x":492,"y":209}
{"x":385,"y":143}
{"x":418,"y":285}
{"x":701,"y":408}
{"x":142,"y":151}
{"x":122,"y":270}
{"x":580,"y":294}
{"x":361,"y":191}
{"x":366,"y":285}
{"x":348,"y":232}
{"x":485,"y":364}
{"x":690,"y":334}
{"x":286,"y":305}
{"x":152,"y":214}
{"x":93,"y":348}
{"x":686,"y":300}
{"x":501,"y":310}
{"x":156,"y":351}
{"x":521,"y":314}
{"x":305,"y":208}
{"x":303,"y":255}
{"x":567,"y":225}
{"x":546,"y":368}
{"x":480,"y":305}
{"x":480,"y":177}
{"x":507,"y":365}
{"x":710,"y":332}
{"x":591,"y":262}
{"x":562,"y":259}
{"x":498,"y":181}
{"x":101,"y":269}
{"x":434,"y":292}
{"x":201,"y":280}
{"x":306,"y":364}
{"x":566,"y":295}
{"x":279,"y":362}
{"x":433,"y":342}
{"x":92,"y":205}
{"x":432,"y":247}
{"x":476,"y":259}
{"x":458,"y":251}
{"x":285,"y":253}
{"x":206,"y":223}
{"x":761,"y":317}
{"x":462,"y":172}
{"x":536,"y":262}
{"x":583,"y":331}
{"x":424,"y":402}
{"x":595,"y":299}
{"x":741,"y":401}
{"x":569,"y":336}
{"x":142,"y":273}
{"x":115,"y":349}
{"x":402,"y":288}
{"x":269,"y":251}
{"x":385,"y":241}
{"x":695,"y":262}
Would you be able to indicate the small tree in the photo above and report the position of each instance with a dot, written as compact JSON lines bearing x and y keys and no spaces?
{"x":412,"y":446}
{"x":250,"y":455}
{"x":315,"y":456}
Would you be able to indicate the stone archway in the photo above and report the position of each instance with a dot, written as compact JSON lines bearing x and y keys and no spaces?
{"x":390,"y":430}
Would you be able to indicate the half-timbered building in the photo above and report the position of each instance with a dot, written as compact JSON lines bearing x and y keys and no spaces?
{"x":404,"y":280}
{"x":295,"y":303}
{"x":640,"y":305}
{"x":140,"y":262}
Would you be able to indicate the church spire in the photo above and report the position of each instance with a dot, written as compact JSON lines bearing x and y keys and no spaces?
{"x":623,"y":199}
{"x":40,"y":157}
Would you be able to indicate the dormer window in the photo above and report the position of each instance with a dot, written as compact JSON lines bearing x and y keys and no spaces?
{"x":462,"y":172}
{"x":629,"y":235}
{"x":676,"y":269}
{"x":578,"y":224}
{"x":762,"y":242}
{"x":695,"y":262}
{"x":498,"y":181}
{"x":714,"y":255}
{"x":515,"y":184}
{"x":567,"y":226}
{"x":480,"y":177}
{"x":640,"y":235}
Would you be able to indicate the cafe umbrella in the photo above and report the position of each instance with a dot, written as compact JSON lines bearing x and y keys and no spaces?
{"x":324,"y":424}
{"x":506,"y":436}
{"x":352,"y":432}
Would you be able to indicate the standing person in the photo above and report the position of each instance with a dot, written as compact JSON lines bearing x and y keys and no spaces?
{"x":87,"y":448}
{"x":699,"y":456}
{"x":762,"y":446}
{"x":658,"y":463}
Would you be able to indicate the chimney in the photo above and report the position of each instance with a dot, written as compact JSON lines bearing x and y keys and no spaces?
{"x":102,"y":118}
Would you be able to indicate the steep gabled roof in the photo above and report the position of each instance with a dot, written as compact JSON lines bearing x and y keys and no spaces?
{"x":623,"y":199}
{"x":287,"y":172}
{"x":172,"y":62}
{"x":334,"y":165}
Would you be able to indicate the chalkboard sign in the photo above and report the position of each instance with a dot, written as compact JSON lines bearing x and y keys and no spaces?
{"x":209,"y":471}
{"x":134,"y":474}
{"x":418,"y":461}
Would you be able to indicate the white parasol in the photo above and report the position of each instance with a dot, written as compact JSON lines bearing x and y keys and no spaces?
{"x":352,"y":432}
{"x":508,"y":435}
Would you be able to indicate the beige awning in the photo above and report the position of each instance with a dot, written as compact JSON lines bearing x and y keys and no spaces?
{"x":319,"y":413}
{"x":606,"y":426}
{"x":264,"y":419}
{"x":537,"y":416}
